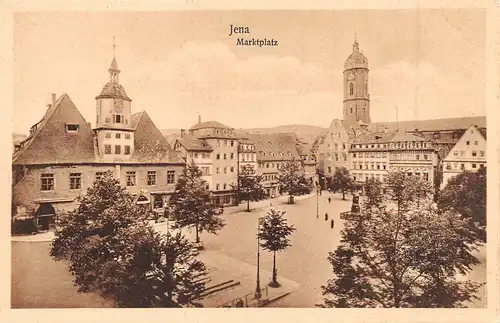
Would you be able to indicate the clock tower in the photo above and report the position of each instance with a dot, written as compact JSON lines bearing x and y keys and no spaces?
{"x":356,"y":96}
{"x":115,"y":135}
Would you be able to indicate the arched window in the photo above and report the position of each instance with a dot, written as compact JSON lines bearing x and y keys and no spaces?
{"x":351,"y":89}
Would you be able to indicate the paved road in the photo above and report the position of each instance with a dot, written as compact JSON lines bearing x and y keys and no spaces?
{"x":39,"y":282}
{"x":305,"y":262}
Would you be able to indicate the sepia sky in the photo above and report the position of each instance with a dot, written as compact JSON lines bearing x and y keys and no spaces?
{"x":178,"y":64}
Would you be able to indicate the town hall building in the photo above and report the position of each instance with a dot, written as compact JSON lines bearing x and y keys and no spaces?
{"x":63,"y":155}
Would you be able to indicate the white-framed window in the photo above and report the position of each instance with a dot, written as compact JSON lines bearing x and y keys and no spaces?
{"x":131,"y":178}
{"x":152,"y":177}
{"x":47,"y":182}
{"x":170,"y":176}
{"x":75,"y":181}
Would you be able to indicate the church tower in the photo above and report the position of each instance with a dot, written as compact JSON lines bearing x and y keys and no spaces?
{"x":115,"y":136}
{"x":356,"y":96}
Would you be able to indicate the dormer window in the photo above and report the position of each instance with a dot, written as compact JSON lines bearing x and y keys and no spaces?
{"x":436,"y":135}
{"x":117,"y":118}
{"x":72,"y":128}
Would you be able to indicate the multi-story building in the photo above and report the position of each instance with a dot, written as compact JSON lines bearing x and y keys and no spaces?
{"x":308,"y":162}
{"x":369,"y":157}
{"x":374,"y":155}
{"x":469,"y":153}
{"x":273,"y":151}
{"x":413,"y":155}
{"x":331,"y":150}
{"x":199,"y":152}
{"x":247,"y":155}
{"x":224,"y":143}
{"x":63,"y":155}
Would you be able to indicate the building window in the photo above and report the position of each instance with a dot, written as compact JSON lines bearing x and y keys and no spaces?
{"x":481,"y":153}
{"x":127,"y":136}
{"x":474,"y":166}
{"x":462,"y":166}
{"x":225,"y":170}
{"x":426,"y":177}
{"x":152,"y":177}
{"x":384,"y":166}
{"x":467,"y":142}
{"x":130,"y":178}
{"x":360,"y":166}
{"x":232,"y":143}
{"x":232,"y":155}
{"x":75,"y":181}
{"x":455,"y":153}
{"x":329,"y":169}
{"x":217,"y":170}
{"x":232,"y":169}
{"x":474,"y":154}
{"x":117,"y":118}
{"x":436,"y":135}
{"x":47,"y":182}
{"x":217,"y":187}
{"x":207,"y":187}
{"x":72,"y":127}
{"x":127,"y":150}
{"x":225,"y":156}
{"x":118,"y":149}
{"x":107,"y":149}
{"x":218,"y":156}
{"x":475,"y":143}
{"x":99,"y":175}
{"x":224,"y":186}
{"x":107,"y":135}
{"x":170,"y":177}
{"x":351,"y":90}
{"x":481,"y":165}
{"x":117,"y":135}
{"x":418,"y":157}
{"x":354,"y":155}
{"x":425,"y":156}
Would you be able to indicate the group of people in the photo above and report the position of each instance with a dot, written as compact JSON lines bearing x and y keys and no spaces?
{"x":332,"y":222}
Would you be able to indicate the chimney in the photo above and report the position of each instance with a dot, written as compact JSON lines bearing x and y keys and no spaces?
{"x":183,"y":133}
{"x":53,"y":99}
{"x":199,"y":118}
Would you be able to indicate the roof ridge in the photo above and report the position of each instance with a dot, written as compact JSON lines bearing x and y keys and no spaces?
{"x":43,"y":122}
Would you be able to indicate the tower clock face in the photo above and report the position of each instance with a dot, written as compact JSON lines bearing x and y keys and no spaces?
{"x":350,"y":77}
{"x":118,"y":105}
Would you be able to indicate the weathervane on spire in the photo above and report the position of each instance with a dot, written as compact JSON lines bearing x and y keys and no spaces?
{"x":355,"y":46}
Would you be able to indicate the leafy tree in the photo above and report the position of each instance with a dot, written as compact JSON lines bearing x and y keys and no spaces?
{"x":288,"y":177}
{"x":249,"y":186}
{"x":404,"y":189}
{"x":402,"y":255}
{"x":274,"y":234}
{"x":466,"y":194}
{"x":179,"y":274}
{"x":113,"y":252}
{"x":373,"y":192}
{"x":342,"y":180}
{"x":191,"y":203}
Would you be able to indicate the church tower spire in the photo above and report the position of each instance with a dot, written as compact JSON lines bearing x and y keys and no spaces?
{"x":113,"y":68}
{"x":356,"y":96}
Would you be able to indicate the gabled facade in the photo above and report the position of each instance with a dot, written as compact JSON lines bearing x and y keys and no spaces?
{"x":63,"y":156}
{"x":469,"y":153}
{"x":197,"y":151}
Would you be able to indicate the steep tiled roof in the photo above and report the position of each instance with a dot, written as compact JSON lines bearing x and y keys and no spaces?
{"x":209,"y":124}
{"x":402,"y":136}
{"x":114,"y":91}
{"x":374,"y":137}
{"x":275,"y":146}
{"x":193,"y":143}
{"x":150,"y":144}
{"x":430,"y":125}
{"x":50,"y":143}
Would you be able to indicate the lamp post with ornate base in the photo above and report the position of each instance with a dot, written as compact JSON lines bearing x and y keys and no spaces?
{"x":257,"y":287}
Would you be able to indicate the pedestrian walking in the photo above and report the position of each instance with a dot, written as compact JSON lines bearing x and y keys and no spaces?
{"x":326,"y":216}
{"x":329,"y":200}
{"x":332,"y":224}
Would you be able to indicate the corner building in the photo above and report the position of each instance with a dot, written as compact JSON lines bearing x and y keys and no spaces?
{"x":63,"y":156}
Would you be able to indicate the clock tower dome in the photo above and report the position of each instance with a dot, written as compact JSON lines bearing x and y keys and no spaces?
{"x":115,"y":136}
{"x":356,"y":96}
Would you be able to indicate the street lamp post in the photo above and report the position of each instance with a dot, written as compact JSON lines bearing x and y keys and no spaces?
{"x":317,"y":202}
{"x":257,"y":287}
